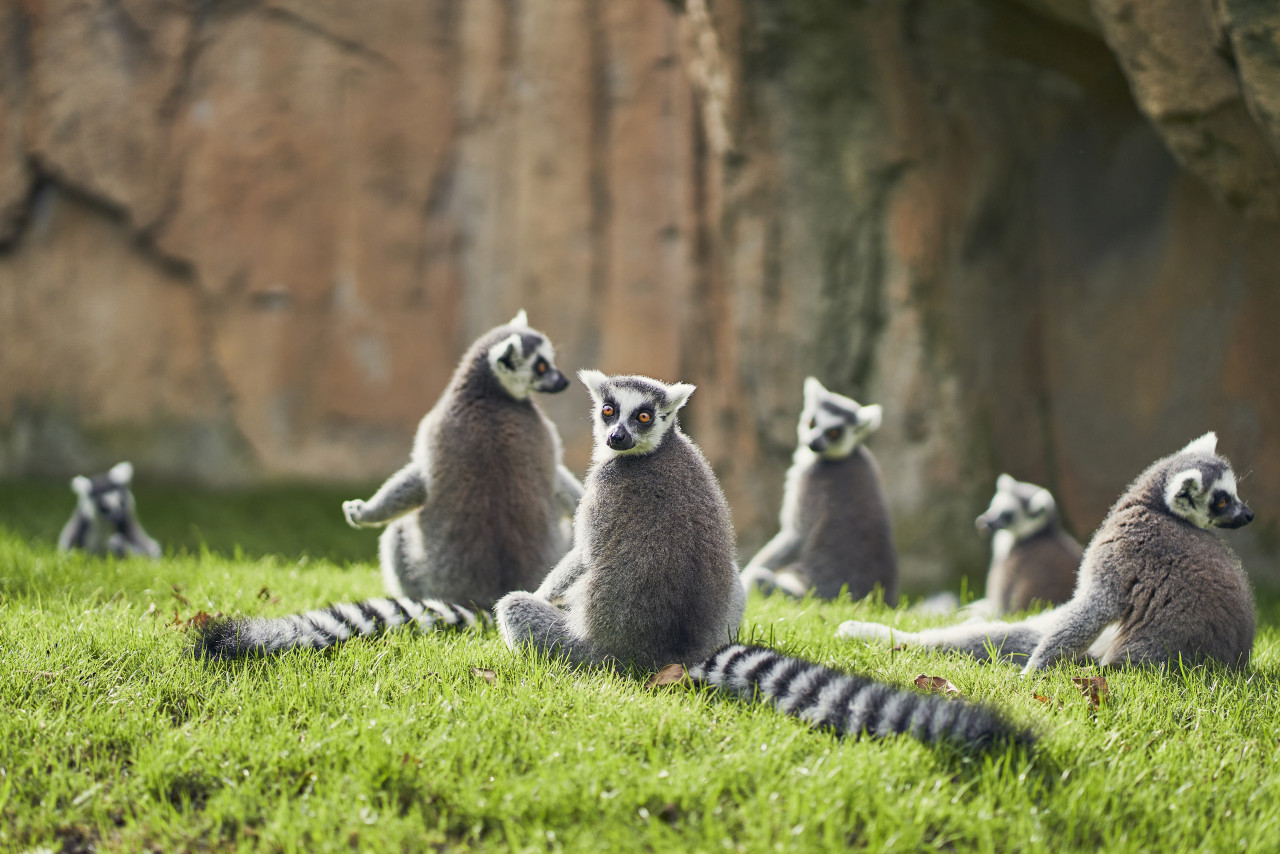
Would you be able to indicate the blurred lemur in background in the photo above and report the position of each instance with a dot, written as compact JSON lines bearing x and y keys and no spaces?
{"x":651,"y":580}
{"x":1155,"y":585}
{"x":105,"y":520}
{"x":480,"y":509}
{"x":835,"y":526}
{"x":1032,"y":558}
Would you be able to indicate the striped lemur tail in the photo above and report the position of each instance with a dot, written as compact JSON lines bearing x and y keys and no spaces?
{"x":851,"y":704}
{"x":326,"y":627}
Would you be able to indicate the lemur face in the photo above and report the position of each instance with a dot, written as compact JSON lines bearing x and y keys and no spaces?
{"x":1201,"y":487}
{"x":107,"y":496}
{"x":1020,"y":508}
{"x":525,"y":362}
{"x":632,"y":414}
{"x":832,"y":425}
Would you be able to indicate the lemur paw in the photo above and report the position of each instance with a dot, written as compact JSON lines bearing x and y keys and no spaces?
{"x":354,"y":511}
{"x":853,"y":630}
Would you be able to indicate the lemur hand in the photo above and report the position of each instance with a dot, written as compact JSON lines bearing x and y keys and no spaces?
{"x":354,"y":511}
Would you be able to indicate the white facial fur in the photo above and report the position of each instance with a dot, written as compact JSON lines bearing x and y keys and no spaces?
{"x":518,"y":381}
{"x":1186,"y":495}
{"x":1025,"y":520}
{"x":628,"y":402}
{"x":855,"y":422}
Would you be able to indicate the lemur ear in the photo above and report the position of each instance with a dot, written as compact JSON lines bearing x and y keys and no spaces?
{"x":521,"y":320}
{"x":1187,"y":482}
{"x":1040,"y":502}
{"x":594,"y":381}
{"x":1206,"y":444}
{"x":813,"y":389}
{"x":121,"y":473}
{"x":504,"y":352}
{"x":81,"y":485}
{"x":678,"y":395}
{"x":1004,"y":483}
{"x":870,"y":417}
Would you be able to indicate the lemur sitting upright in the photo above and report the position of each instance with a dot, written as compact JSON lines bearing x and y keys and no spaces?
{"x":651,"y":580}
{"x":477,"y":512}
{"x":1155,"y":585}
{"x":105,"y":520}
{"x":835,"y":527}
{"x":1032,"y":558}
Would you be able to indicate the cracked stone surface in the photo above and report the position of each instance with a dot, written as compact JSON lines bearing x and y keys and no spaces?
{"x":248,"y":240}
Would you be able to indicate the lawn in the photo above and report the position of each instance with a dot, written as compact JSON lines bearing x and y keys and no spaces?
{"x":113,"y":738}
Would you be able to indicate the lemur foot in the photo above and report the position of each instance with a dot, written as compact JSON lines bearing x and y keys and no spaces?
{"x":853,"y":630}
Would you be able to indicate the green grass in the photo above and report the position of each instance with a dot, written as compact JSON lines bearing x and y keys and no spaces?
{"x":113,"y":738}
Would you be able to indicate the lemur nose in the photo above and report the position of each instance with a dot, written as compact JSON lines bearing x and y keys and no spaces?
{"x":1247,"y":515}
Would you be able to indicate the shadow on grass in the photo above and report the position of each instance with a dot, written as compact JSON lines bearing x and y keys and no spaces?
{"x":290,"y":520}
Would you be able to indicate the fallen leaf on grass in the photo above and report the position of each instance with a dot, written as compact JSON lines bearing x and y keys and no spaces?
{"x":672,"y":674}
{"x":177,"y":594}
{"x":200,"y":619}
{"x":1041,"y":698}
{"x":936,"y":685}
{"x":484,"y":673}
{"x":1094,"y":688}
{"x":264,"y":593}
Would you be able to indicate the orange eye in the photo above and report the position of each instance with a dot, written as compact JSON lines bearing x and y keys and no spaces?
{"x":644,"y":417}
{"x":607,"y":411}
{"x":541,"y":366}
{"x":833,"y":433}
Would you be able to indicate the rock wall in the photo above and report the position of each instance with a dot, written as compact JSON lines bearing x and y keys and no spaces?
{"x":244,"y":240}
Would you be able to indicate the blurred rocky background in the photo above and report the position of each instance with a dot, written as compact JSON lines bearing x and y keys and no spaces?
{"x":247,"y":241}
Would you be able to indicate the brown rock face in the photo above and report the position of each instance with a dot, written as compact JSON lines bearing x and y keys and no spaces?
{"x":250,"y":240}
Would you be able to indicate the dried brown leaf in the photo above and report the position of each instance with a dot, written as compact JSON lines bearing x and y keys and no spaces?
{"x":177,"y":594}
{"x":1094,"y":688}
{"x":936,"y":685}
{"x":484,"y":673}
{"x":672,"y":674}
{"x":264,"y":593}
{"x":199,"y":620}
{"x":898,"y":647}
{"x":1048,"y":701}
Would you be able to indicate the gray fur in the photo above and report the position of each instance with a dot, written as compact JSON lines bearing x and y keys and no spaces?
{"x":651,"y":581}
{"x":1155,"y":585}
{"x":651,"y":578}
{"x":105,"y":520}
{"x":835,"y":530}
{"x":479,"y":510}
{"x":1033,"y":560}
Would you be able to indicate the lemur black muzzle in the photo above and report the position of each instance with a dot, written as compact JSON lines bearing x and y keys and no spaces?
{"x":620,"y":439}
{"x":552,"y":382}
{"x":1240,"y":517}
{"x":818,"y":445}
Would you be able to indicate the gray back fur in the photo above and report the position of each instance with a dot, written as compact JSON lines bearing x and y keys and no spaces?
{"x":656,"y":534}
{"x":491,"y":521}
{"x":835,"y":529}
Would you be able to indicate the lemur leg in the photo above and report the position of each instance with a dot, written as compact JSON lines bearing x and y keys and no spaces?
{"x":404,"y":491}
{"x":568,"y":491}
{"x":1075,"y":627}
{"x":996,"y":641}
{"x":395,"y":555}
{"x":526,"y":620}
{"x":561,"y":578}
{"x":761,"y":570}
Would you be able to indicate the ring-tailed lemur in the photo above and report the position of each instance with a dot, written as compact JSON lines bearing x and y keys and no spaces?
{"x":1032,"y":558}
{"x":1155,"y":586}
{"x":478,"y":512}
{"x":835,"y":528}
{"x":651,"y":580}
{"x":105,"y":520}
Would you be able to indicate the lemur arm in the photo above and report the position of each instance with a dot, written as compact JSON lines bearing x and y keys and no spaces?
{"x":561,"y":578}
{"x":1076,"y":625}
{"x":783,"y":549}
{"x":74,"y":532}
{"x":568,"y":491}
{"x":404,"y":491}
